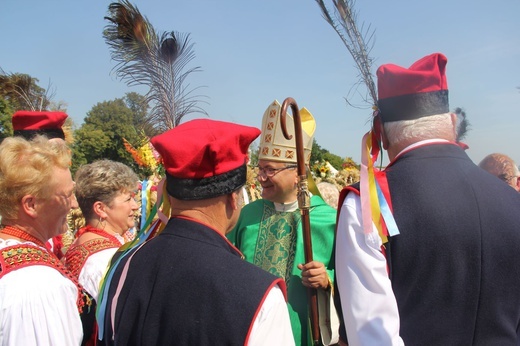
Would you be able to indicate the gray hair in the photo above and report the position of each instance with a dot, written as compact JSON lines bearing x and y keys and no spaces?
{"x":501,"y":166}
{"x":102,"y":181}
{"x":430,"y":127}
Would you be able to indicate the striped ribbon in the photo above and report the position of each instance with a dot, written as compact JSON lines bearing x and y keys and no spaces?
{"x":144,"y":201}
{"x":148,"y":230}
{"x":375,"y":206}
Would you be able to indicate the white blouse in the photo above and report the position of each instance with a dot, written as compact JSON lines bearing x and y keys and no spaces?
{"x":94,"y":269}
{"x":38,"y":306}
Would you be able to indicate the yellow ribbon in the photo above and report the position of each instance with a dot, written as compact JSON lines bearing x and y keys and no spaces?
{"x":374,"y":200}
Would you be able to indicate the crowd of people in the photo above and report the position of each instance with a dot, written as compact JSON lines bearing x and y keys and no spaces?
{"x":422,"y":252}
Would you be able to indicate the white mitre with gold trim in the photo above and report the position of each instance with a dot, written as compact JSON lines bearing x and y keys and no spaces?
{"x":273,"y":144}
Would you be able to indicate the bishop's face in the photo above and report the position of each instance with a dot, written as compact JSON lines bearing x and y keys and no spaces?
{"x":278,"y":180}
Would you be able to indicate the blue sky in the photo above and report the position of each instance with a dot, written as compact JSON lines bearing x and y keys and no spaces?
{"x":254,"y":52}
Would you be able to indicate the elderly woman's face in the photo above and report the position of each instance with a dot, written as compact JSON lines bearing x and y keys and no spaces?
{"x":120,"y":212}
{"x":53,"y":210}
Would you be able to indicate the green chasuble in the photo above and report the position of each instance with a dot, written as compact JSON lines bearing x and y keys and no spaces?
{"x":274,"y":241}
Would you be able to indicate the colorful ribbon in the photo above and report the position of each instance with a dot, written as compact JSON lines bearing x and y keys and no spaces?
{"x":148,"y":230}
{"x":375,"y":197}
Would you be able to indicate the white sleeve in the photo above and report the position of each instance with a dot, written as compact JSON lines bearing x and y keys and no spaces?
{"x":94,"y":269}
{"x":272,"y":325}
{"x":369,"y":307}
{"x":38,"y":307}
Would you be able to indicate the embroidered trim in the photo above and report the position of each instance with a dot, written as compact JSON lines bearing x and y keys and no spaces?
{"x":104,"y":234}
{"x":77,"y":255}
{"x":275,"y":249}
{"x":25,"y":255}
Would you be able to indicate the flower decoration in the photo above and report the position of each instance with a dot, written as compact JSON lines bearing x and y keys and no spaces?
{"x":321,"y":169}
{"x":145,"y":154}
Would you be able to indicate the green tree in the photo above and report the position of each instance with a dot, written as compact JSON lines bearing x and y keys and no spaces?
{"x":101,"y":135}
{"x":321,"y":154}
{"x":6,"y":113}
{"x":316,"y":153}
{"x":254,"y":151}
{"x":90,"y":144}
{"x":23,"y":92}
{"x":139,"y":107}
{"x":19,"y":91}
{"x":335,"y":160}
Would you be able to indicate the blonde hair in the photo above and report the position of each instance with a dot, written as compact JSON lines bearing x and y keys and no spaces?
{"x":430,"y":127}
{"x":102,"y":181}
{"x":26,"y":168}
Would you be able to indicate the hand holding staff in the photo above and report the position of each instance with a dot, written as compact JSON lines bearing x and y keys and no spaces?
{"x":303,"y":203}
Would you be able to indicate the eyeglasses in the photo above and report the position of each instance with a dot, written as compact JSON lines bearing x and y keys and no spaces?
{"x":270,"y":172}
{"x":507,"y":177}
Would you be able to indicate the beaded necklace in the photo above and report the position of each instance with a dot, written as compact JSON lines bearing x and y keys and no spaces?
{"x":18,"y":233}
{"x":100,"y":232}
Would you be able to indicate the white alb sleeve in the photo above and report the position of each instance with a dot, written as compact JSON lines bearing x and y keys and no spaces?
{"x":369,"y":307}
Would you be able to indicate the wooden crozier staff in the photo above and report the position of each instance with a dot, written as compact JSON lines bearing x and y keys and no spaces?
{"x":303,"y":204}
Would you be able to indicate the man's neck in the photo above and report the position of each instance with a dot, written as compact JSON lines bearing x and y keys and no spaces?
{"x":212,"y":212}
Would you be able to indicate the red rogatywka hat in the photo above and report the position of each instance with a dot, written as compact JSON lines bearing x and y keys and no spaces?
{"x":28,"y":124}
{"x":205,"y":158}
{"x":415,"y":92}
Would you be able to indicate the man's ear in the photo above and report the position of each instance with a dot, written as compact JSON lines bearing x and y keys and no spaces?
{"x":28,"y":205}
{"x":454,"y":123}
{"x":234,"y":200}
{"x":384,"y":139}
{"x":378,"y":131}
{"x":231,"y":204}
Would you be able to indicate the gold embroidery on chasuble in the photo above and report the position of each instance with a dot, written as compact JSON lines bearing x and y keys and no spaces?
{"x":276,"y":242}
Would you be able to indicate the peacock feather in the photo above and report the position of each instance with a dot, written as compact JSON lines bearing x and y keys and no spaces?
{"x":359,"y":41}
{"x":157,"y":60}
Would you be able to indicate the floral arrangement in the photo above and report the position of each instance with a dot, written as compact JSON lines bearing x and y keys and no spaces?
{"x":351,"y":171}
{"x":149,"y":159}
{"x":324,"y":172}
{"x":145,"y":154}
{"x":252,"y":186}
{"x":321,"y":169}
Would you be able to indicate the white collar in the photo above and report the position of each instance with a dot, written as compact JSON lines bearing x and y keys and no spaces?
{"x":420,"y":143}
{"x":286,"y":207}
